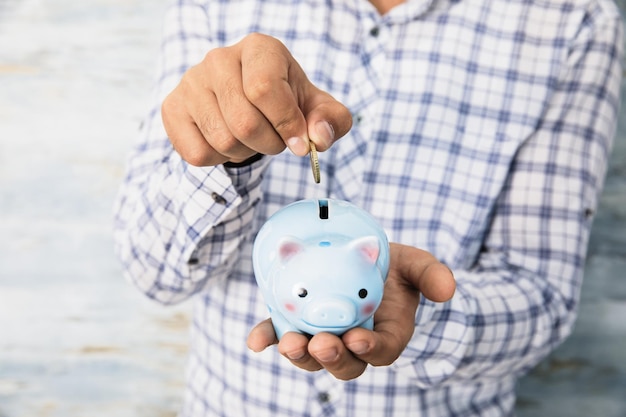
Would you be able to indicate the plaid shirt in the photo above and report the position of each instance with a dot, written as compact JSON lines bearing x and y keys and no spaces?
{"x":481,"y":134}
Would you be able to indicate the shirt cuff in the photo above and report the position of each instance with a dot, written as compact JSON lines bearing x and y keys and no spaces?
{"x":246,"y":176}
{"x":214,"y":195}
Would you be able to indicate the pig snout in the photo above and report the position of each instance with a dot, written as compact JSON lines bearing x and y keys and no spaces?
{"x":331,"y":312}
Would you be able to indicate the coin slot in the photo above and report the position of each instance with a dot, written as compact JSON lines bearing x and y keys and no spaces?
{"x":323,"y":209}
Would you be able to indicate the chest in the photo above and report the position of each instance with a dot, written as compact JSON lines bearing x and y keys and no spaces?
{"x":441,"y":103}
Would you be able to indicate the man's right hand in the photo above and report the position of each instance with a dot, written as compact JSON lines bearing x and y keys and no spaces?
{"x":250,"y":98}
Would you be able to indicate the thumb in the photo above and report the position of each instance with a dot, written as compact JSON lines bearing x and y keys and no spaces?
{"x":424,"y":272}
{"x":262,"y":336}
{"x":327,"y":119}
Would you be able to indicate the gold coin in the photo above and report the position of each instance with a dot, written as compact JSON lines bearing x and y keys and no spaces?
{"x":315,"y":163}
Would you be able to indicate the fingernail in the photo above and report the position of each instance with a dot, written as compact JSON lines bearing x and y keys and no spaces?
{"x":325,"y":132}
{"x":327,"y":355}
{"x":359,"y":348}
{"x":298,"y":146}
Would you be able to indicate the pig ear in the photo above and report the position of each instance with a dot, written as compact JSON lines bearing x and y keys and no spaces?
{"x":368,"y":247}
{"x":288,"y":247}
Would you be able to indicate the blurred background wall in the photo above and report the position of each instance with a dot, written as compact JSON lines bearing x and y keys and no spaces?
{"x":75,"y":338}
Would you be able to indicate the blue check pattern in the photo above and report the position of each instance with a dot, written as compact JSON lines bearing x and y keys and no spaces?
{"x":481,"y":134}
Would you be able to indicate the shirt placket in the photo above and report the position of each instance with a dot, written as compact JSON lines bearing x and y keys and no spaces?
{"x":363,"y":101}
{"x":328,"y":396}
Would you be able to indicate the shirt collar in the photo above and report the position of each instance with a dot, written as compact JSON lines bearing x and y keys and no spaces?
{"x":404,"y":12}
{"x":409,"y":10}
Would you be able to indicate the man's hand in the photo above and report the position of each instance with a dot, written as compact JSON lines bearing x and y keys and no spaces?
{"x":250,"y":98}
{"x":412,"y":271}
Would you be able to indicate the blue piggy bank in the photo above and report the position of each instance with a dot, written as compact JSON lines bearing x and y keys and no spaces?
{"x":321,"y":266}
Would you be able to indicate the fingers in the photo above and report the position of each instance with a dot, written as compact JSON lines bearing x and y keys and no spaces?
{"x":247,"y":125}
{"x":330,"y":351}
{"x":378,"y":348}
{"x":294,"y":346}
{"x":262,"y":336}
{"x":345,"y":358}
{"x":394,"y":324}
{"x":412,"y":272}
{"x":188,"y":126}
{"x":252,"y":97}
{"x":273,"y":82}
{"x":208,"y":119}
{"x":184,"y":134}
{"x":322,"y":351}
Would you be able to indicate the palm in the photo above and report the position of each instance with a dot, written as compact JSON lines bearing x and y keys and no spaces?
{"x":412,"y":272}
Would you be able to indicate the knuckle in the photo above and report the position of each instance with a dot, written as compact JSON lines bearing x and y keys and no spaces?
{"x":257,"y":87}
{"x":256,"y":39}
{"x":196,"y":159}
{"x":245,"y":127}
{"x":194,"y":155}
{"x":170,"y":109}
{"x":166,"y":116}
{"x":208,"y":123}
{"x":216,"y":135}
{"x":252,"y":38}
{"x":188,"y":82}
{"x":167,"y":105}
{"x":226,"y":145}
{"x":215,"y":57}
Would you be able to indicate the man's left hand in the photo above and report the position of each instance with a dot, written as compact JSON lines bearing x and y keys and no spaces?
{"x":412,"y":271}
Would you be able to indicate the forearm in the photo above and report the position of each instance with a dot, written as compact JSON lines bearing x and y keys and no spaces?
{"x":497,"y":325}
{"x":181,"y":226}
{"x":519,"y":299}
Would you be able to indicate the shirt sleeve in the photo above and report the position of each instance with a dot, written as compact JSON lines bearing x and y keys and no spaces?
{"x":519,"y":301}
{"x":178,"y":227}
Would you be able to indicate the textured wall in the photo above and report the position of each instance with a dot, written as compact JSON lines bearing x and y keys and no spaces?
{"x":75,"y":339}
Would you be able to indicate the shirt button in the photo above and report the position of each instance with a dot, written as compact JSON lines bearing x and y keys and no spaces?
{"x":323,"y":397}
{"x":375,"y":31}
{"x":218,"y":198}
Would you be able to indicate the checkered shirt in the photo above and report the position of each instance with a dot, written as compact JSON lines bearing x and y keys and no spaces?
{"x":481,"y":134}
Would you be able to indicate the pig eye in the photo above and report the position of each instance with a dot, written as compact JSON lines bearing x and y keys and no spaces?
{"x":362,"y":293}
{"x":300,"y":291}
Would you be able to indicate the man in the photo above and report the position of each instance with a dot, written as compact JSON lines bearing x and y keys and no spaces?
{"x":477,"y":133}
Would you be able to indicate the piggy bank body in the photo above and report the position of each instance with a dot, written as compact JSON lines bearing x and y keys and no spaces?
{"x":321,"y":266}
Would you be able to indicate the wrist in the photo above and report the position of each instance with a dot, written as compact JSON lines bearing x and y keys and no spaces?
{"x":254,"y":158}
